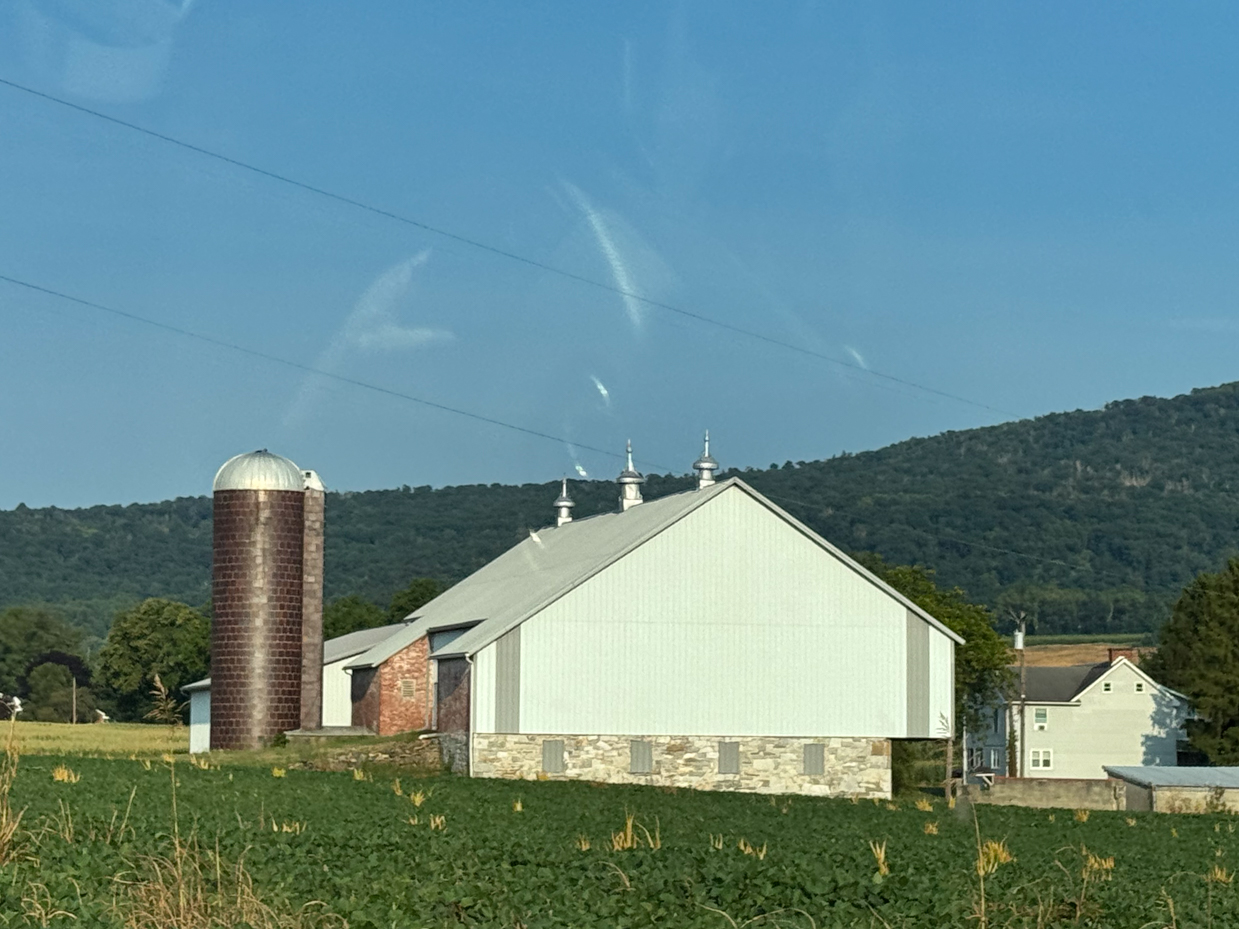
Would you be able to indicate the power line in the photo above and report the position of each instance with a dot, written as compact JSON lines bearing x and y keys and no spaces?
{"x":443,"y":407}
{"x":495,"y":250}
{"x":309,"y":369}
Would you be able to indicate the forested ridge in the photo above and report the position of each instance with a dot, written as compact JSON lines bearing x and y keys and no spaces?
{"x":1091,"y":520}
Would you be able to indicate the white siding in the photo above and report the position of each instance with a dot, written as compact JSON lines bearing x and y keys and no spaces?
{"x":337,"y":694}
{"x":199,"y":721}
{"x":731,"y":622}
{"x":941,"y":685}
{"x":1121,"y":727}
{"x":482,"y":690}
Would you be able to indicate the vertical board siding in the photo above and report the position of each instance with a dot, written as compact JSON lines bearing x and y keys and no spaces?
{"x":767,"y":634}
{"x":337,"y":694}
{"x":919,"y":708}
{"x":508,"y":682}
{"x":484,"y":690}
{"x":941,"y":685}
{"x":199,"y":721}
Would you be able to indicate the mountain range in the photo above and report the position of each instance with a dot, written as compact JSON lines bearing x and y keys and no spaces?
{"x":1089,"y":521}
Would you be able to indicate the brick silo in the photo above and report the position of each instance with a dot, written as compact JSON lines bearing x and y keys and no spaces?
{"x":258,"y":593}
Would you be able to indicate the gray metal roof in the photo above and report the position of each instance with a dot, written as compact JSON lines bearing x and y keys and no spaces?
{"x":1149,"y":776}
{"x":354,"y":643}
{"x":552,"y":561}
{"x":1061,"y":684}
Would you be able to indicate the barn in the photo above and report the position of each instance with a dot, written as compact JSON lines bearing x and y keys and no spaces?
{"x":704,"y":639}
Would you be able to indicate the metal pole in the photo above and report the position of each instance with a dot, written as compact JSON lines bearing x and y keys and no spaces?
{"x":75,"y":700}
{"x":1023,"y":702}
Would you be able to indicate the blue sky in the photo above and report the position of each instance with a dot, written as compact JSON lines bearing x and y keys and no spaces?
{"x":1031,"y":207}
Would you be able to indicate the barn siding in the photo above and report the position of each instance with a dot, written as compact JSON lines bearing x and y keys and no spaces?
{"x":918,"y":662}
{"x":942,"y":685}
{"x":766,"y":634}
{"x":508,"y":682}
{"x":484,"y":689}
{"x":337,"y":694}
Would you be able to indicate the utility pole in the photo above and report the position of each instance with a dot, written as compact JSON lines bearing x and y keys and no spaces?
{"x":75,"y":699}
{"x":1021,"y":620}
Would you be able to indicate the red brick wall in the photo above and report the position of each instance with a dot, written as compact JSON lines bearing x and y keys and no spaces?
{"x":256,"y":628}
{"x":405,"y":708}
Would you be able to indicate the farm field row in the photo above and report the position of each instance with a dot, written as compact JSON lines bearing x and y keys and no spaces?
{"x":98,"y":844}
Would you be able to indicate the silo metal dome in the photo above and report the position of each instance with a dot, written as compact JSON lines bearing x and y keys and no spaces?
{"x":260,"y":470}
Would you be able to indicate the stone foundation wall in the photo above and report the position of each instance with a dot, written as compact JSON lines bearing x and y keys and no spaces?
{"x":854,"y":767}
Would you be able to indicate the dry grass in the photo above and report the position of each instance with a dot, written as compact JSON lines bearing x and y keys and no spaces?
{"x":102,"y":739}
{"x":1080,"y":653}
{"x":879,"y":857}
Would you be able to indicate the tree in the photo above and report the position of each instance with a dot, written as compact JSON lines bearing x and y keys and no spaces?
{"x":25,"y":634}
{"x":157,"y":637}
{"x":421,"y":590}
{"x":982,"y":663}
{"x":349,"y":614}
{"x":51,"y":695}
{"x":1199,"y":657}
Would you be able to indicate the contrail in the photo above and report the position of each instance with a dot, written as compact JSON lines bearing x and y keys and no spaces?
{"x":606,"y":243}
{"x":602,"y":389}
{"x":860,"y":359}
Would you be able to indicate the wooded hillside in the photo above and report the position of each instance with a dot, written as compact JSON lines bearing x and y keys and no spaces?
{"x":1110,"y":511}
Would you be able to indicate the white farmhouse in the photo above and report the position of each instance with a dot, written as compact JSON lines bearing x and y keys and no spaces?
{"x":705,"y":639}
{"x":1081,"y":718}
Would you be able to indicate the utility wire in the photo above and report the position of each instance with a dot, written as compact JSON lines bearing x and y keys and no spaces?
{"x":443,"y":407}
{"x":309,"y":369}
{"x":495,"y":250}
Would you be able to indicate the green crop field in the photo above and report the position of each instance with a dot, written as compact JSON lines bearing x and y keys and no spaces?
{"x":101,"y":843}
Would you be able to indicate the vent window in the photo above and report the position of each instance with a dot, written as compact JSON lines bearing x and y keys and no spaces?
{"x":1139,"y":687}
{"x":553,"y":756}
{"x":408,"y":689}
{"x":728,"y":757}
{"x":815,"y":759}
{"x":1106,"y":687}
{"x":640,"y":757}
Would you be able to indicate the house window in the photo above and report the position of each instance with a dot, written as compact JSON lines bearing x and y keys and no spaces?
{"x":997,"y":727}
{"x":728,"y":757}
{"x":976,"y":757}
{"x":996,"y":760}
{"x":1105,"y":688}
{"x":1041,"y":717}
{"x":815,"y":758}
{"x":1042,"y":758}
{"x":640,"y":757}
{"x":1139,"y":687}
{"x":408,"y":689}
{"x":553,"y":756}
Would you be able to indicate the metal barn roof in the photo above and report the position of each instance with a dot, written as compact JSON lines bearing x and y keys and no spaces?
{"x":552,"y":561}
{"x":1149,"y":776}
{"x":260,"y":470}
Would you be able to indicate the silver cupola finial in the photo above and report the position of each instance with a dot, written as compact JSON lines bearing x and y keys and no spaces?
{"x":563,"y":506}
{"x":705,"y":466}
{"x":630,"y":481}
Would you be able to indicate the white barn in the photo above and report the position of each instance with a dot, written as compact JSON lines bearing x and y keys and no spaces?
{"x":337,"y":699}
{"x":704,"y":639}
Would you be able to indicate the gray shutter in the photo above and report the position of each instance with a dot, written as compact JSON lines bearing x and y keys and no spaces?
{"x":640,"y":757}
{"x":815,"y":758}
{"x":728,"y":757}
{"x":553,"y":756}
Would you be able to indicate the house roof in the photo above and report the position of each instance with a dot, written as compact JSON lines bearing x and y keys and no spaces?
{"x":553,"y":561}
{"x":337,"y":649}
{"x":1050,"y":684}
{"x":1149,"y":776}
{"x":1067,"y":683}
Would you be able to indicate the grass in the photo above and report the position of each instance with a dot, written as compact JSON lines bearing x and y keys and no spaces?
{"x":108,"y":740}
{"x":1116,"y":639}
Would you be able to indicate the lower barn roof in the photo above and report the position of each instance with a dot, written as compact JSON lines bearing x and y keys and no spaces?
{"x":1152,"y":776}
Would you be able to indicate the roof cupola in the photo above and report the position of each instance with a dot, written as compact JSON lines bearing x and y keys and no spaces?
{"x":630,"y":481}
{"x":563,"y":506}
{"x":705,"y":466}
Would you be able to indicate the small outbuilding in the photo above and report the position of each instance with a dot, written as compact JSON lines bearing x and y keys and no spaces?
{"x":1179,"y":790}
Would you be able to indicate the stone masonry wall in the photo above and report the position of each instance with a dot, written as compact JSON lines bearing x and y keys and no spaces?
{"x":854,"y":767}
{"x":404,"y":698}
